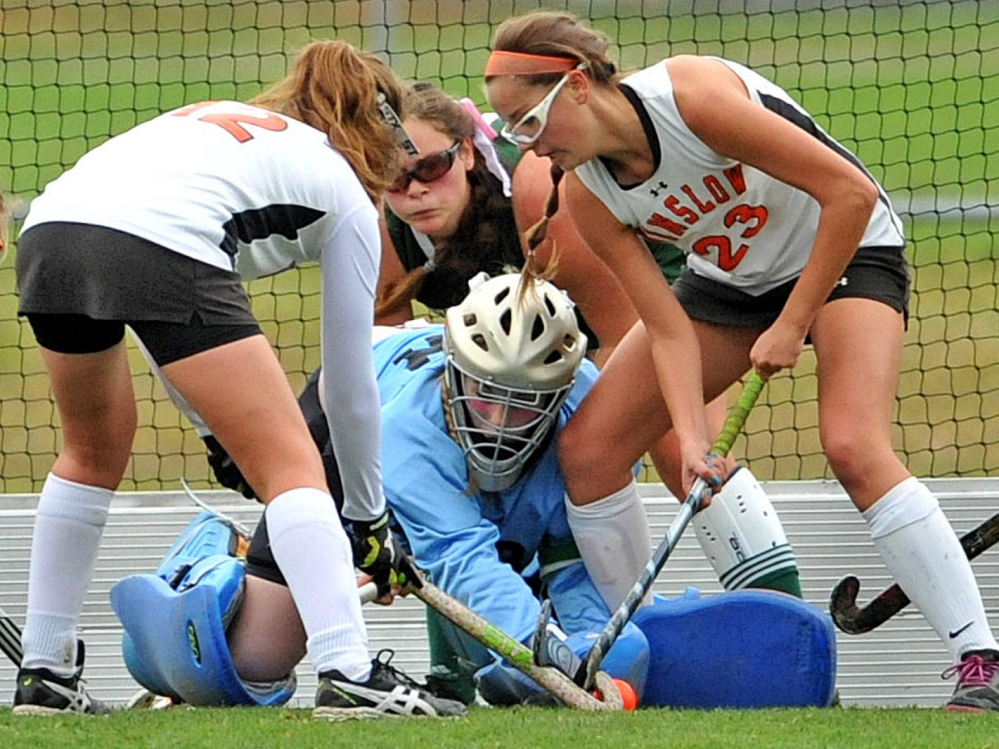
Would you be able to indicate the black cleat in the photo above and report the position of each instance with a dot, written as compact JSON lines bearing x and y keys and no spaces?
{"x":40,"y":692}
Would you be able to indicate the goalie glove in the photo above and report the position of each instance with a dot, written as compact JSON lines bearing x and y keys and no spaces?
{"x":377,"y":553}
{"x":225,"y":469}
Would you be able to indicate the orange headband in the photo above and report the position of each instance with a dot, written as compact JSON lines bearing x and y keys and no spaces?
{"x":502,"y":62}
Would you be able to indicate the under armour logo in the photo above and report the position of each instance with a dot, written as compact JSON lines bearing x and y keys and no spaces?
{"x":843,"y":281}
{"x":660,"y":186}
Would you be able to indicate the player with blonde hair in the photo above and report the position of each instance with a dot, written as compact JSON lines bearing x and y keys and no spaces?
{"x":156,"y":229}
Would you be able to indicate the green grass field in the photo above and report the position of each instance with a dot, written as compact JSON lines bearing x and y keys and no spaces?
{"x":911,"y":89}
{"x":521,"y":727}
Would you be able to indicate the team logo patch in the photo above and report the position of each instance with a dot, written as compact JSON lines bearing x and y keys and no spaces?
{"x":192,"y":641}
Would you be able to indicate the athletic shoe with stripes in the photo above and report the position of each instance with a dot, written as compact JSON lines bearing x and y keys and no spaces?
{"x":387,"y":693}
{"x":977,"y":689}
{"x":41,"y":692}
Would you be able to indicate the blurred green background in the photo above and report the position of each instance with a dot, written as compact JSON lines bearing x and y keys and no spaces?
{"x":911,"y":87}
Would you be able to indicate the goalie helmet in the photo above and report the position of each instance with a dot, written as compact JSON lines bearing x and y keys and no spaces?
{"x":511,"y":361}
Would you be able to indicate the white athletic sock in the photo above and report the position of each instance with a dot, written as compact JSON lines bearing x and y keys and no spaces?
{"x":613,"y":539}
{"x":67,"y":535}
{"x":313,"y":553}
{"x":925,"y":557}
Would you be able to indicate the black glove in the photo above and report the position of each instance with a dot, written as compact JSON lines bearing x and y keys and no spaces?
{"x":377,"y":553}
{"x":226,"y":471}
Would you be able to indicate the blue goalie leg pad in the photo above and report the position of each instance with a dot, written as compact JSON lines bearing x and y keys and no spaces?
{"x":175,"y":642}
{"x":740,"y":649}
{"x":205,"y":536}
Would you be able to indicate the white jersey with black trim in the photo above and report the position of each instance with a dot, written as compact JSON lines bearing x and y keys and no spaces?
{"x":737,"y":224}
{"x":212,"y":181}
{"x":246,"y":189}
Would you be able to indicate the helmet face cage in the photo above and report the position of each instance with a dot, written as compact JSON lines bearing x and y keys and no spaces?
{"x":498,"y":445}
{"x":511,"y":362}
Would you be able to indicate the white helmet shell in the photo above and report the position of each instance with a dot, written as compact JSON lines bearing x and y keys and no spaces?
{"x":528,"y":341}
{"x":512,"y":358}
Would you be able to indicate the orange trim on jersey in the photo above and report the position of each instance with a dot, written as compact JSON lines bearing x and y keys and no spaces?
{"x":503,"y":62}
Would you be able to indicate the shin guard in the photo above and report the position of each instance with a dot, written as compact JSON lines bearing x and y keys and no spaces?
{"x":743,"y":539}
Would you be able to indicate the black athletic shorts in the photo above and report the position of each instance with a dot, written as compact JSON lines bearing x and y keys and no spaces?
{"x":81,"y":284}
{"x":259,"y":558}
{"x":879,"y":273}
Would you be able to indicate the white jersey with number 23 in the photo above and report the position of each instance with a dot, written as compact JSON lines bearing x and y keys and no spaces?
{"x":738,"y":225}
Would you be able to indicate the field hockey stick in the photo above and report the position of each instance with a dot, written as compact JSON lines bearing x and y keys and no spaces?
{"x":723,"y":444}
{"x":10,"y":639}
{"x":856,"y":621}
{"x":516,"y":653}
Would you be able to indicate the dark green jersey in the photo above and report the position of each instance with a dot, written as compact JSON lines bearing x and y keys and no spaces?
{"x":447,"y":284}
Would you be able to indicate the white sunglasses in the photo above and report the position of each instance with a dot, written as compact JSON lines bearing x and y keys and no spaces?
{"x":529,"y":128}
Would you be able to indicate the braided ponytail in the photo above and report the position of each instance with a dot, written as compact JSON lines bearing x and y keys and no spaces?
{"x":538,"y":233}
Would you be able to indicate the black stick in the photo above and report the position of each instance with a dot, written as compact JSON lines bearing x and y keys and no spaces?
{"x":10,"y":639}
{"x":856,"y":621}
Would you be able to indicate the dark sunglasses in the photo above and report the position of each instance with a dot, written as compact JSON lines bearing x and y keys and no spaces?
{"x":428,"y":169}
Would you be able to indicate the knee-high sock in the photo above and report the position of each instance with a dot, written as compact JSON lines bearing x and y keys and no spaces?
{"x":613,"y":539}
{"x":925,"y":557}
{"x":67,"y":535}
{"x":313,"y":553}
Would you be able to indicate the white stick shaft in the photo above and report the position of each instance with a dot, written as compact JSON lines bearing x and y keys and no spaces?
{"x":367,"y":592}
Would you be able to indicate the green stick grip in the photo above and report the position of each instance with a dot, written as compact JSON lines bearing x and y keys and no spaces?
{"x":737,"y":415}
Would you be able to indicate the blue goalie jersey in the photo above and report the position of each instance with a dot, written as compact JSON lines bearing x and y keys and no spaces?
{"x":475,"y":545}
